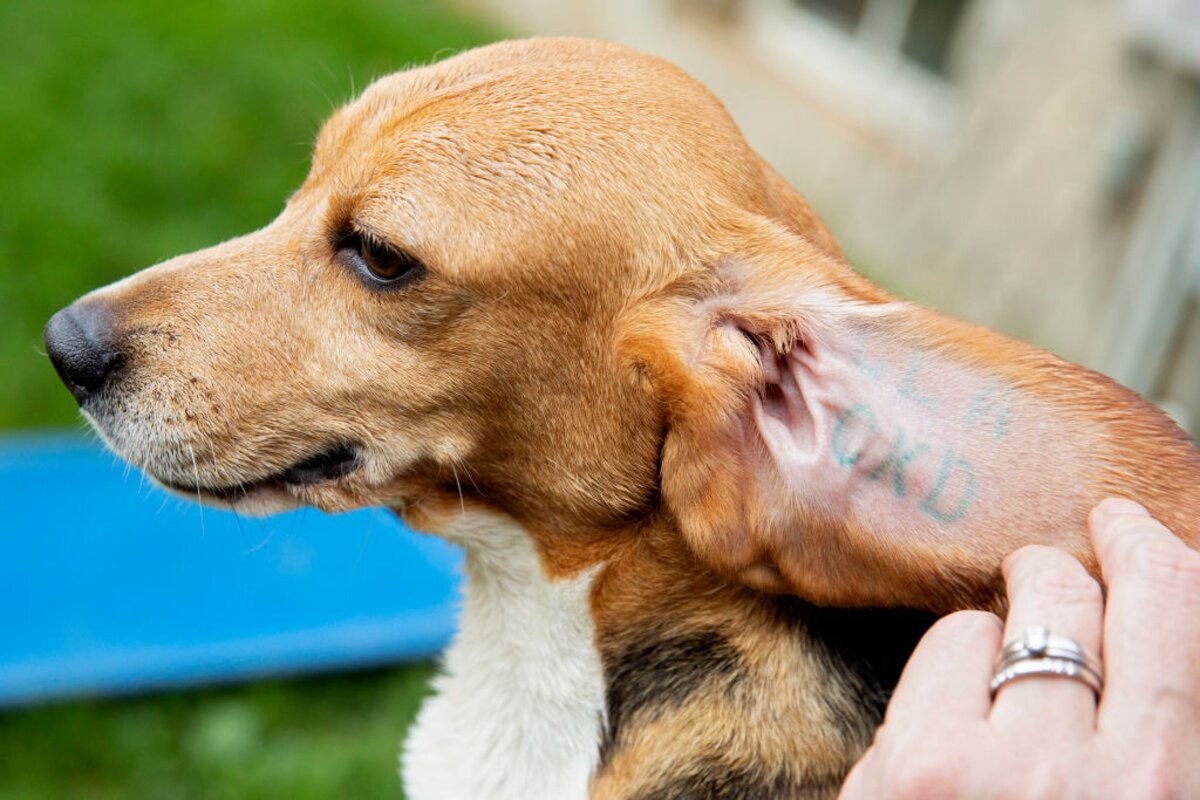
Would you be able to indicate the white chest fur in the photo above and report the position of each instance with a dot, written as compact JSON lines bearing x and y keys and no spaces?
{"x":519,"y":707}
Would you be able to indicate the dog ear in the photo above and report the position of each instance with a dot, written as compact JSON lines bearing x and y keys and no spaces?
{"x":828,"y":440}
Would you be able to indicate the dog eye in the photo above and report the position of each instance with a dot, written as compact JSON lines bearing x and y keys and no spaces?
{"x":379,"y":263}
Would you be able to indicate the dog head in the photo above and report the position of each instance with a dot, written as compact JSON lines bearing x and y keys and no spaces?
{"x":441,"y":296}
{"x":551,"y":278}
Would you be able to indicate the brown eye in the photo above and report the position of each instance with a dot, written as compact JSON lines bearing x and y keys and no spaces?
{"x":378,"y":262}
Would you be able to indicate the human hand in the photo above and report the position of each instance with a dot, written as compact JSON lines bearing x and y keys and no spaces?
{"x":1047,"y":737}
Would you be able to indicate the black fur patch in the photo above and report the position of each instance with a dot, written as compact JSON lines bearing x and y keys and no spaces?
{"x":648,"y":673}
{"x":651,"y":672}
{"x":866,"y":648}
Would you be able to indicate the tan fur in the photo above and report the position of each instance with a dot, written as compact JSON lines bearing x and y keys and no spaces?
{"x":605,"y":257}
{"x":785,"y":718}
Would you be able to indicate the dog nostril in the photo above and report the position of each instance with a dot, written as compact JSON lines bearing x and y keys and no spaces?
{"x":78,"y":341}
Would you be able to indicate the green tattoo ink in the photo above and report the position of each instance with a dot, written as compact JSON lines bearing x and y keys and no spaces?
{"x":855,"y":412}
{"x":908,"y":385}
{"x":897,"y":460}
{"x":951,"y":465}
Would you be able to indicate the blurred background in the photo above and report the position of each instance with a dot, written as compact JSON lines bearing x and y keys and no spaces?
{"x":1031,"y":166}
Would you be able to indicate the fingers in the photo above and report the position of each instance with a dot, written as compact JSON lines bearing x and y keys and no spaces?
{"x":946,"y":679}
{"x":1040,"y":738}
{"x":1050,"y":589}
{"x":1152,"y":627}
{"x":940,"y":703}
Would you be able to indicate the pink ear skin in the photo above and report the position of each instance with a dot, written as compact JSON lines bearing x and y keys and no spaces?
{"x":882,"y":454}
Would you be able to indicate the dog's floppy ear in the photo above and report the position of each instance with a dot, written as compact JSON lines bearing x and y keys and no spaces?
{"x":828,"y":440}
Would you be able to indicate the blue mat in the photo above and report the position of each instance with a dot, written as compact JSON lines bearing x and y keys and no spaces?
{"x":110,"y":585}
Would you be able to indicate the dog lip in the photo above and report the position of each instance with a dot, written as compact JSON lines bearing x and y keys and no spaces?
{"x":336,"y":462}
{"x":332,"y":463}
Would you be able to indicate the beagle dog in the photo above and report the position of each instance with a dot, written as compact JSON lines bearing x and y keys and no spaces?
{"x":542,"y":299}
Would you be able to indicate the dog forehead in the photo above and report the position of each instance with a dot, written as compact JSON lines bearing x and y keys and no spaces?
{"x":533,"y":107}
{"x":535,"y":152}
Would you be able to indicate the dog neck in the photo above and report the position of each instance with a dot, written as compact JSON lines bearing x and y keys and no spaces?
{"x":518,"y":710}
{"x":630,"y":678}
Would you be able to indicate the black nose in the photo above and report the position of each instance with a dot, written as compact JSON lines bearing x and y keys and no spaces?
{"x":79,"y":342}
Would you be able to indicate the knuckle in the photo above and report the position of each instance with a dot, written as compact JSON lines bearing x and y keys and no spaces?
{"x":1032,"y":772}
{"x":925,"y":775}
{"x":916,"y":764}
{"x":1125,"y":527}
{"x":1061,"y":582}
{"x":1173,"y":706}
{"x":1164,"y":561}
{"x":964,"y":626}
{"x":1029,"y":557}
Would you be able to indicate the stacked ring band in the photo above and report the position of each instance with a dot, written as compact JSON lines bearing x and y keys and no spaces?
{"x":1039,"y":653}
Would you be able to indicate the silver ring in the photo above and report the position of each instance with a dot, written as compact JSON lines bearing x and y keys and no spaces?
{"x":1038,"y":653}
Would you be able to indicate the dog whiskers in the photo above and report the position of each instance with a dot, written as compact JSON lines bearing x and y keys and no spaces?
{"x":212,"y":460}
{"x":467,"y":471}
{"x":462,"y":503}
{"x":196,"y":473}
{"x":266,"y":540}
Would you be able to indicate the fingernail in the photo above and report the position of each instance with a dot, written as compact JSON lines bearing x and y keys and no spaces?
{"x":1120,"y":507}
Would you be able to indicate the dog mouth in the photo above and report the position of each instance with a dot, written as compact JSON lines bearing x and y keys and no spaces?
{"x":330,"y":464}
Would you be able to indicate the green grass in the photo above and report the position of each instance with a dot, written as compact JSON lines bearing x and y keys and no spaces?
{"x":301,"y":739}
{"x":132,"y":131}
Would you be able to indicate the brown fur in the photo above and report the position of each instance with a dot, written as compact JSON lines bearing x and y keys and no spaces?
{"x":605,"y":256}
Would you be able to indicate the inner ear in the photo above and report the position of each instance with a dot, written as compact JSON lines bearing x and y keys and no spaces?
{"x":880,"y":453}
{"x":863,"y":425}
{"x":877,"y":453}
